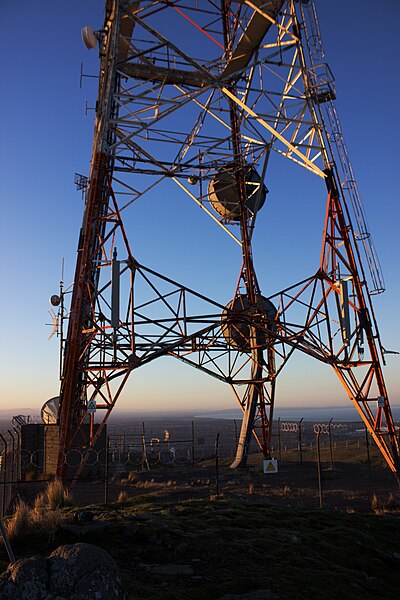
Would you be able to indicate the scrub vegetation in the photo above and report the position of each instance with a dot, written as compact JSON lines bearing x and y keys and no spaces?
{"x":211,"y":547}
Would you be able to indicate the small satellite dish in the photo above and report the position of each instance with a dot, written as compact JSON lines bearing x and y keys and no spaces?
{"x":49,"y":411}
{"x":55,"y":300}
{"x":89,"y":37}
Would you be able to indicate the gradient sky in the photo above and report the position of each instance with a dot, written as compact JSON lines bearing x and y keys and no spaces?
{"x":46,"y":138}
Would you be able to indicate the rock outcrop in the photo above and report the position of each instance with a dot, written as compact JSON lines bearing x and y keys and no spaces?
{"x":71,"y":572}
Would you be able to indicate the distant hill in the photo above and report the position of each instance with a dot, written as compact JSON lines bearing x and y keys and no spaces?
{"x":11,"y":412}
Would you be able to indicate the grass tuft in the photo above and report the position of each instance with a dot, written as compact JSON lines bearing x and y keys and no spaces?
{"x":123,"y":497}
{"x":390,"y":505}
{"x":375,"y":505}
{"x":132,"y":477}
{"x":50,"y":524}
{"x":19,"y":523}
{"x":38,"y":510}
{"x":56,"y":496}
{"x":39,"y":519}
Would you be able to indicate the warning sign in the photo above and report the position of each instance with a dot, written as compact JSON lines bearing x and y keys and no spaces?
{"x":270,"y":465}
{"x":91,"y":406}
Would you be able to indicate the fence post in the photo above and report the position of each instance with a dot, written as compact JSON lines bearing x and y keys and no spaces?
{"x":217,"y":465}
{"x":300,"y":446}
{"x":106,"y":471}
{"x":236,"y":432}
{"x":4,"y":469}
{"x":193,"y":459}
{"x":367,"y":447}
{"x":19,"y":453}
{"x":145,"y":462}
{"x":318,"y":433}
{"x":279,"y":439}
{"x":330,"y":442}
{"x":123,"y":445}
{"x":12,"y":457}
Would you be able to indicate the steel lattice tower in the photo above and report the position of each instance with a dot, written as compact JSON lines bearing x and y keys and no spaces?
{"x":195,"y":97}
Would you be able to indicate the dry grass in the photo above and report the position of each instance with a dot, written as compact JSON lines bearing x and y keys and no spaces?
{"x":56,"y":496}
{"x":374,"y":503}
{"x":18,"y":525}
{"x":151,"y":483}
{"x":46,"y":520}
{"x":38,"y":509}
{"x":50,"y":524}
{"x":391,"y":504}
{"x":123,"y":497}
{"x":285,"y":491}
{"x":132,"y":479}
{"x":200,"y":482}
{"x":44,"y":517}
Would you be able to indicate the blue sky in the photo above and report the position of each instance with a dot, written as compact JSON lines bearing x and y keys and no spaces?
{"x":46,"y":138}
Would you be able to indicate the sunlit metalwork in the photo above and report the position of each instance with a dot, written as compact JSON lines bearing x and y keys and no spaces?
{"x":193,"y":99}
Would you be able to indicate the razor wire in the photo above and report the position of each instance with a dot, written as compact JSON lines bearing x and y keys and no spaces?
{"x":328,"y":427}
{"x":287,"y":426}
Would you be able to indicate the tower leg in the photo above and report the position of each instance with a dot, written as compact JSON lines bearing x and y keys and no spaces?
{"x":246,"y":431}
{"x":255,"y":403}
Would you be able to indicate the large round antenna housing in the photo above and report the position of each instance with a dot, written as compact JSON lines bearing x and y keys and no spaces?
{"x":224,"y":197}
{"x":89,"y":37}
{"x":50,"y":410}
{"x":237,"y":318}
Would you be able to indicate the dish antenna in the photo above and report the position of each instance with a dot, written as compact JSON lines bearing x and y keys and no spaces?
{"x":90,"y":37}
{"x":55,"y":300}
{"x":49,"y":411}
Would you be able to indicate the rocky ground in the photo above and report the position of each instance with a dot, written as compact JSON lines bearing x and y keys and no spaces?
{"x":235,"y":547}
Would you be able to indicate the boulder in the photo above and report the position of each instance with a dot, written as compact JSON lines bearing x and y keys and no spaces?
{"x":25,"y":579}
{"x":72,"y":572}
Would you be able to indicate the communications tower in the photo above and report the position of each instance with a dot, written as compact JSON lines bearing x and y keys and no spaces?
{"x":193,"y":100}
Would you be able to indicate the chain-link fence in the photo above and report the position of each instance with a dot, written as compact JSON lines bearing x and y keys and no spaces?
{"x":10,"y":467}
{"x":317,"y":465}
{"x":328,"y":464}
